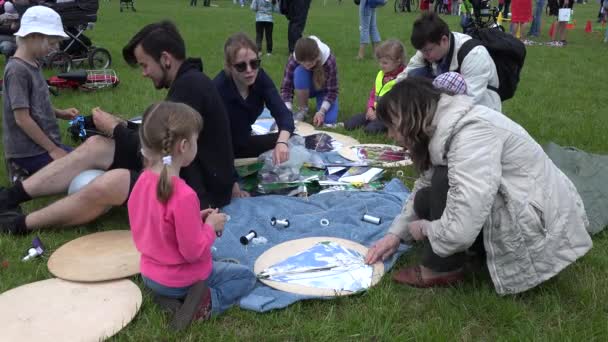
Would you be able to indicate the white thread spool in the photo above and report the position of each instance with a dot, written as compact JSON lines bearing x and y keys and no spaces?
{"x":279,"y":222}
{"x":245,"y":239}
{"x":371,"y":219}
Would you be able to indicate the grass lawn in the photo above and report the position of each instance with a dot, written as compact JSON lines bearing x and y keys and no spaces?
{"x":560,"y":98}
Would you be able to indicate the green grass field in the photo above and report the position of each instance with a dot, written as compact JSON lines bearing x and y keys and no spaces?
{"x":561,"y":98}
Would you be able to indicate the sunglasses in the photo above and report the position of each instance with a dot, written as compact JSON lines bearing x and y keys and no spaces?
{"x":254,"y":64}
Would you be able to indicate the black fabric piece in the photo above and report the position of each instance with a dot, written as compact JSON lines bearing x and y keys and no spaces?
{"x":256,"y":145}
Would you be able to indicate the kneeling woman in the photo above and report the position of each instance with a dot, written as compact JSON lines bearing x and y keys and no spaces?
{"x":485,"y":185}
{"x":311,"y":71}
{"x":246,"y":89}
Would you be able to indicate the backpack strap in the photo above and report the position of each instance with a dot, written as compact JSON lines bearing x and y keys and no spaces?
{"x":465,"y":48}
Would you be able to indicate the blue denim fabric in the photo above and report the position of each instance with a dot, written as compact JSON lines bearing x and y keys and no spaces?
{"x":302,"y":79}
{"x":228,"y":283}
{"x":536,"y":21}
{"x":367,"y":24}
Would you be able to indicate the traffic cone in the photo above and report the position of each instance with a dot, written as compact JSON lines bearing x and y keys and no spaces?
{"x":588,"y":27}
{"x":552,"y":30}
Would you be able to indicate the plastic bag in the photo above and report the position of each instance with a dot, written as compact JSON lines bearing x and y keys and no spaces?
{"x":288,"y":171}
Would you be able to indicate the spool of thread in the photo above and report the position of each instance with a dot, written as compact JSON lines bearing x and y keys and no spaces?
{"x":279,"y":222}
{"x":36,"y":250}
{"x":245,"y":239}
{"x":371,"y":219}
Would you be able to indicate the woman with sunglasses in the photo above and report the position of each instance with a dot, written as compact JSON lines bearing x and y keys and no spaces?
{"x":311,"y":71}
{"x":246,"y":89}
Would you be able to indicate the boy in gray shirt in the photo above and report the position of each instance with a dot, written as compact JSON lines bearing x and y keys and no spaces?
{"x":30,"y":131}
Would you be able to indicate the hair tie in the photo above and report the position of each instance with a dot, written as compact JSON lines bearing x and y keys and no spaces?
{"x":167,"y":160}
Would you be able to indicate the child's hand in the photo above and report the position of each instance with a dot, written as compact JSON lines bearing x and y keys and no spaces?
{"x":318,"y":119}
{"x":217,"y":221}
{"x":67,"y":114}
{"x":370,"y":115}
{"x":206,"y":212}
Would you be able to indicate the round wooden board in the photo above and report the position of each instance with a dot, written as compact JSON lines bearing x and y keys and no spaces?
{"x":286,"y":249}
{"x":96,"y":257}
{"x":304,"y":128}
{"x":61,"y":310}
{"x":349,"y":153}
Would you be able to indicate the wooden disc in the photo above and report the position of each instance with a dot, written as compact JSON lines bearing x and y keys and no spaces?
{"x":286,"y":249}
{"x":349,"y":153}
{"x":96,"y":257}
{"x":304,"y":129}
{"x":60,"y":310}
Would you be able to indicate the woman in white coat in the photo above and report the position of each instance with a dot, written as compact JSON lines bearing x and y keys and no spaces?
{"x":485,"y":186}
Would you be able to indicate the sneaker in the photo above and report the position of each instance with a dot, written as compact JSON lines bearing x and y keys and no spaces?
{"x":167,"y":304}
{"x":5,"y":204}
{"x":564,"y":43}
{"x":197,"y":306}
{"x":9,"y":223}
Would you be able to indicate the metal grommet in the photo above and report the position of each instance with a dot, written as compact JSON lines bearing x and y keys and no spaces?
{"x":324,"y":222}
{"x":400,"y":173}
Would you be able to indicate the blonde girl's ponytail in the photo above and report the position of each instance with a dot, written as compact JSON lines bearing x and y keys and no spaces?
{"x":164,"y":187}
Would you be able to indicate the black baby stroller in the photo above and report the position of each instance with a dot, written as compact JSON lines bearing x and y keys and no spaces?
{"x":126,"y":4}
{"x":77,"y":17}
{"x":484,"y":16}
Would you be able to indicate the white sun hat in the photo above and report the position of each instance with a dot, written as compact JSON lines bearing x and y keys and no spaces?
{"x":41,"y":19}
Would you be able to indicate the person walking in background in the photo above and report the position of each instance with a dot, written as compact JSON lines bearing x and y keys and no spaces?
{"x":521,"y":15}
{"x":296,"y":12}
{"x":263,"y":22}
{"x":368,"y":30}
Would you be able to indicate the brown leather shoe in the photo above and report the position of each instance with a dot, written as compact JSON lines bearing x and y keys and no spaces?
{"x":412,"y":276}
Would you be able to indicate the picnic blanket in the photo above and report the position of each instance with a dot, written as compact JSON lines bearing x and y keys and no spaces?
{"x":589,"y":173}
{"x":343,"y":210}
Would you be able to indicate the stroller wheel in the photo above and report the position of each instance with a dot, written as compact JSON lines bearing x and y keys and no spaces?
{"x":60,"y":61}
{"x":100,"y":58}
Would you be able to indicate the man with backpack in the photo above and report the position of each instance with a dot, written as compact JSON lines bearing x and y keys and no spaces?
{"x":441,"y":51}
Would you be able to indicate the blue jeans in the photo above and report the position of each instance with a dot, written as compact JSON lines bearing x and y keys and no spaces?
{"x":302,"y":80}
{"x":536,"y":21}
{"x":228,"y":283}
{"x":367,"y":24}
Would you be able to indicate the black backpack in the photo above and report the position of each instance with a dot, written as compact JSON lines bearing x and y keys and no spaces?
{"x":507,"y":52}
